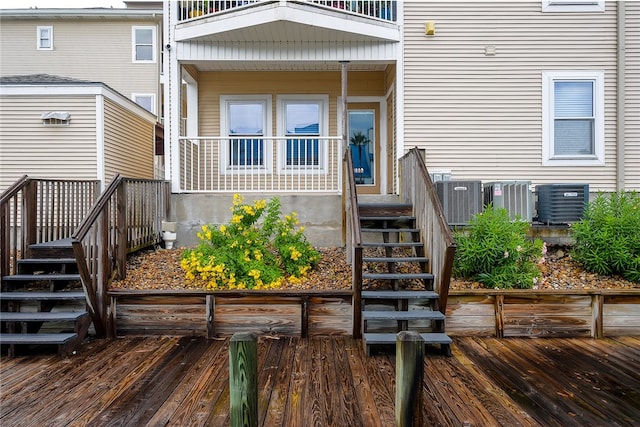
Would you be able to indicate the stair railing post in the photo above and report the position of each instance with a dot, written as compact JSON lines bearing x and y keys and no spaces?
{"x":121,"y":230}
{"x":243,"y":380}
{"x":29,"y":217}
{"x":409,"y":375}
{"x":356,"y":269}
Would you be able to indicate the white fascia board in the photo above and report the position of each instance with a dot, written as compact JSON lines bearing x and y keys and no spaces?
{"x":78,"y":90}
{"x":377,"y":31}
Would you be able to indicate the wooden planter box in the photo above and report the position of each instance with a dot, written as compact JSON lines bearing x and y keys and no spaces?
{"x":499,"y":313}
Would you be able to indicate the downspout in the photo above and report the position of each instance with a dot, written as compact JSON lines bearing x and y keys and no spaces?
{"x":620,"y":114}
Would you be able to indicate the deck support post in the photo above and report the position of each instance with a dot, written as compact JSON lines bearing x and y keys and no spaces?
{"x":409,"y":374}
{"x":243,"y":379}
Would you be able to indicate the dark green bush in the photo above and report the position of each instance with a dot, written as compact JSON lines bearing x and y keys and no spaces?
{"x":607,"y":239}
{"x":497,"y":252}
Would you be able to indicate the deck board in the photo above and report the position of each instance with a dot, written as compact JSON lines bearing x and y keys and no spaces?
{"x":183,"y":381}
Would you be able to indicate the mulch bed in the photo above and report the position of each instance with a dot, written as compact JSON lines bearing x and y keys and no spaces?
{"x":160,"y":269}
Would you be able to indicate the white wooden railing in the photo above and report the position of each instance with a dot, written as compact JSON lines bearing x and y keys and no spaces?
{"x":255,"y":164}
{"x":385,"y":10}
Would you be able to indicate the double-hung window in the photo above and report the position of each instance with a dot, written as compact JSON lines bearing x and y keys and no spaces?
{"x":145,"y":100}
{"x":573,"y":118}
{"x":302,"y":122}
{"x":144,"y":42}
{"x":44,"y":38}
{"x":246,"y":123}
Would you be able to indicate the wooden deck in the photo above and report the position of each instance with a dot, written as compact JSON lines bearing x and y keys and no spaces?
{"x":323,"y":381}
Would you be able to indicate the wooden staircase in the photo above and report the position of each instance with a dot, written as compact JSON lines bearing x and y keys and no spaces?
{"x":398,"y":289}
{"x":43,"y":303}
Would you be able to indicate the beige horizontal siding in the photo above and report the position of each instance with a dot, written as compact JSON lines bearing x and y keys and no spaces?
{"x":88,"y":49}
{"x":214,"y":84}
{"x":632,"y":107}
{"x":29,"y":147}
{"x":481,"y":116}
{"x":128,"y":143}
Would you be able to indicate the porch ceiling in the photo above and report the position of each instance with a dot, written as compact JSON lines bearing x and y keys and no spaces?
{"x":284,"y":66}
{"x":288,"y":23}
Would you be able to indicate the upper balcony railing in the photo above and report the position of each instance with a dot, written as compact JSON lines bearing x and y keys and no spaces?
{"x":385,"y":10}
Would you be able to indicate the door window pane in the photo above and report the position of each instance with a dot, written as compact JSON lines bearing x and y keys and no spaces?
{"x":361,"y":143}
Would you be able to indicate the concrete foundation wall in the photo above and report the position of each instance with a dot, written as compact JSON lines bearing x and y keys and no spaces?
{"x":321,"y":215}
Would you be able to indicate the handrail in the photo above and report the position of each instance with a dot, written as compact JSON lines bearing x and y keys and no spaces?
{"x":418,"y":189}
{"x":121,"y":221}
{"x":38,"y":211}
{"x":9,"y":234}
{"x":353,"y":240}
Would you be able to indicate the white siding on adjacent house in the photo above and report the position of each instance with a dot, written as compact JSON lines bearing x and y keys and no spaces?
{"x":29,"y":147}
{"x":632,"y":108}
{"x":128,"y":143}
{"x":98,"y":50}
{"x":481,"y":115}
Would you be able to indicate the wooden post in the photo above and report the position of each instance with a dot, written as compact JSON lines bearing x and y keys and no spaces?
{"x":409,"y":374}
{"x":243,"y":379}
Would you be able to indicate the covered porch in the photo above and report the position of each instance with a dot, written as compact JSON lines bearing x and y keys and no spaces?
{"x":266,"y":96}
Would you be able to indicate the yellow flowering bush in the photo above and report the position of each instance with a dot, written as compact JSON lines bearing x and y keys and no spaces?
{"x":248,"y":253}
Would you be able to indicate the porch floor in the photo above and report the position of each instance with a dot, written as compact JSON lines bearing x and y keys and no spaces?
{"x":154,"y":381}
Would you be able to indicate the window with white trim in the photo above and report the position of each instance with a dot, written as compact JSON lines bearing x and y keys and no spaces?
{"x":572,"y":6}
{"x":246,"y":121}
{"x":44,"y":37}
{"x":144,"y":44}
{"x":303,"y":120}
{"x":146,"y":101}
{"x":573,"y":118}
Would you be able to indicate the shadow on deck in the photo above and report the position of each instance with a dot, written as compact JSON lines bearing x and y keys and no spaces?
{"x":326,"y":381}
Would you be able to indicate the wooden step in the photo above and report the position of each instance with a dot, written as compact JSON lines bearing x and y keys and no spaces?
{"x":390,"y":218}
{"x":395,"y":259}
{"x":399,"y":295}
{"x":42,"y":316}
{"x":40,"y":277}
{"x":392,"y":244}
{"x":47,"y":261}
{"x":54,"y":339}
{"x":370,"y":338}
{"x":41,"y":296}
{"x":402,"y":315}
{"x":397,"y":276}
{"x":385,"y":209}
{"x":390,"y":230}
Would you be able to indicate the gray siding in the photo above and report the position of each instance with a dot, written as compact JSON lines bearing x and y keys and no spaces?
{"x":29,"y":147}
{"x":632,"y":108}
{"x":481,"y":116}
{"x":97,"y":50}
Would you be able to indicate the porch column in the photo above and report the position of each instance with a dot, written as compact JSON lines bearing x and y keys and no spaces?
{"x":343,"y":76}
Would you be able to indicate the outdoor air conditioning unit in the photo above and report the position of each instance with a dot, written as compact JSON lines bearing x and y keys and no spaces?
{"x":460,"y":200}
{"x":562,"y":203}
{"x":514,"y":196}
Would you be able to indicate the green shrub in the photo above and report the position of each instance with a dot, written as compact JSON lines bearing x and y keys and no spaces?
{"x":249,"y":254}
{"x":607,"y":239}
{"x":496,"y":251}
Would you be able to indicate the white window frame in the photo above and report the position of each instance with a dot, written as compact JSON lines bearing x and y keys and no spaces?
{"x":39,"y":45}
{"x":323,"y":128}
{"x":152,"y":96}
{"x":134,"y":44}
{"x":572,"y":6}
{"x":548,"y":116}
{"x":225,"y":165}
